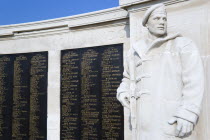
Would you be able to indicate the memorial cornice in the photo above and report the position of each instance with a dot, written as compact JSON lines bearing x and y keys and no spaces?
{"x":143,"y":5}
{"x":127,"y":3}
{"x":62,"y":25}
{"x":103,"y":16}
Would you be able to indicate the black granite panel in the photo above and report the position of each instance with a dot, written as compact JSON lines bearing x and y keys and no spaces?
{"x":23,"y":101}
{"x":70,"y":97}
{"x":89,"y":79}
{"x":21,"y":97}
{"x":6,"y":95}
{"x":38,"y":96}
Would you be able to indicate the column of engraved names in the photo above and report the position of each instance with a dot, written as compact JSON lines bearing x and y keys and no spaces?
{"x":38,"y":96}
{"x":21,"y":95}
{"x":6,"y":81}
{"x":70,"y":90}
{"x":90,"y":107}
{"x":112,"y":114}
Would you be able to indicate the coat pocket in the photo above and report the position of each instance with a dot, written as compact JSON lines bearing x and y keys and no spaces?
{"x":168,"y":110}
{"x":169,"y":129}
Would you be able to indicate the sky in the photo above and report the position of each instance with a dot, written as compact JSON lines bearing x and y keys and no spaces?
{"x":22,"y":11}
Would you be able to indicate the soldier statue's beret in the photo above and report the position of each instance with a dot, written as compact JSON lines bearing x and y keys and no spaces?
{"x":149,"y":12}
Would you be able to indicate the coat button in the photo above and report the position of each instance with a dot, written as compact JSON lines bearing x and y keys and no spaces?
{"x":142,"y":76}
{"x":141,"y":61}
{"x":141,"y":92}
{"x":138,"y":63}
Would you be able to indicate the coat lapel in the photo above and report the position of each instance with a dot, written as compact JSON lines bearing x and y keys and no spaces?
{"x":142,"y":48}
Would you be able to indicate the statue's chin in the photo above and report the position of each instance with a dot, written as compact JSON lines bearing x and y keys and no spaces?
{"x":160,"y":34}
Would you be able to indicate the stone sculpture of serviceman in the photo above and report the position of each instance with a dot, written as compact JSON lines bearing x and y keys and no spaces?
{"x":169,"y":82}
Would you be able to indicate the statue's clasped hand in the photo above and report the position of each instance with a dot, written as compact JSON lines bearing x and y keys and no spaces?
{"x":183,"y":129}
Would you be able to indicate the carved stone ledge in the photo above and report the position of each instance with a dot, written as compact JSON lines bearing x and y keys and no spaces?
{"x":6,"y":34}
{"x":126,"y":3}
{"x":98,"y":17}
{"x":62,"y":25}
{"x":143,"y":5}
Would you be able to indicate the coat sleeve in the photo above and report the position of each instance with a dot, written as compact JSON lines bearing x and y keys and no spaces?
{"x":193,"y":82}
{"x":125,"y":84}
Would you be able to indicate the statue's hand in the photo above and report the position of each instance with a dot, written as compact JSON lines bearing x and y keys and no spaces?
{"x":183,"y":128}
{"x":125,"y":99}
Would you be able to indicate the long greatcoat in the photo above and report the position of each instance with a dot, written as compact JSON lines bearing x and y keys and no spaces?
{"x":169,"y":82}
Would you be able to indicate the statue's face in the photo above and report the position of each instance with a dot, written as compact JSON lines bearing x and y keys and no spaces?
{"x":157,"y":24}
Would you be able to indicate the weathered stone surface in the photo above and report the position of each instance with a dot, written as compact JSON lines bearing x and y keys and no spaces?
{"x":191,"y":18}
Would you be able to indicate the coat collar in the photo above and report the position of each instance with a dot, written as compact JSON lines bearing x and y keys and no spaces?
{"x":142,"y":48}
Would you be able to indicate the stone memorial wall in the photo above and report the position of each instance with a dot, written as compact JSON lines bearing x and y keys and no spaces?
{"x":66,"y":62}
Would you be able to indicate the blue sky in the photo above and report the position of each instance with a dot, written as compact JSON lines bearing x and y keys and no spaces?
{"x":21,"y":11}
